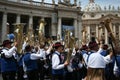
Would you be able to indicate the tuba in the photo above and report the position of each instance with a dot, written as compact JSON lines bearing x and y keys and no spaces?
{"x":84,"y":39}
{"x":99,"y":38}
{"x":31,"y":37}
{"x":69,"y":43}
{"x":41,"y":37}
{"x":107,"y":23}
{"x":19,"y":36}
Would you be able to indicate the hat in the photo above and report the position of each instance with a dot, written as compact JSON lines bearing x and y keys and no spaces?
{"x":28,"y":48}
{"x":6,"y":42}
{"x":105,"y":46}
{"x":92,"y":45}
{"x":11,"y":36}
{"x":84,"y":47}
{"x":57,"y":44}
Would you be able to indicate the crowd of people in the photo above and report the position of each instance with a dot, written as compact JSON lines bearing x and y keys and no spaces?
{"x":92,"y":61}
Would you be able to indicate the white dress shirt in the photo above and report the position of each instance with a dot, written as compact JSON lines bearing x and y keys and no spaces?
{"x":9,"y":52}
{"x":96,"y":60}
{"x":33,"y":56}
{"x":56,"y":61}
{"x":43,"y":53}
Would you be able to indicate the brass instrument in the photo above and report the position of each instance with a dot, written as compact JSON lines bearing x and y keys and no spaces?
{"x":58,"y":37}
{"x":100,"y":29}
{"x":41,"y":37}
{"x":108,"y":25}
{"x":70,"y":42}
{"x":84,"y":40}
{"x":19,"y":36}
{"x":31,"y":37}
{"x":85,"y":37}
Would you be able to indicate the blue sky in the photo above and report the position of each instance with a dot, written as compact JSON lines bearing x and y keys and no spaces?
{"x":102,"y":3}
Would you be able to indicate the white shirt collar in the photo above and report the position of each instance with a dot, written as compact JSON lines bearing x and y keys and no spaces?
{"x":57,"y":52}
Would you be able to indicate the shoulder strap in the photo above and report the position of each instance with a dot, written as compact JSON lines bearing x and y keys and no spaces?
{"x":59,"y":57}
{"x":89,"y":56}
{"x":117,"y":62}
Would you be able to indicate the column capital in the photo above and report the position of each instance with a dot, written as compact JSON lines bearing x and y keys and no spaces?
{"x":75,"y":18}
{"x":59,"y":17}
{"x":5,"y":12}
{"x":18,"y":14}
{"x":30,"y":15}
{"x":43,"y":17}
{"x":79,"y":19}
{"x":18,"y":18}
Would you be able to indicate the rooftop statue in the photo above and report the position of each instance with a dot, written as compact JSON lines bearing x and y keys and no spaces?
{"x":67,"y":2}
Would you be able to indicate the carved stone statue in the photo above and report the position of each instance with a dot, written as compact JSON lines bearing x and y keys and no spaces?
{"x":53,"y":1}
{"x":91,"y":1}
{"x":75,"y":2}
{"x":66,"y":1}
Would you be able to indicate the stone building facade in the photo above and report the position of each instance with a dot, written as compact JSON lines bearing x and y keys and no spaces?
{"x":31,"y":12}
{"x":94,"y":15}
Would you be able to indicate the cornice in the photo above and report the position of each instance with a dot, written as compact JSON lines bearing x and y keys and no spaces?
{"x":27,"y":6}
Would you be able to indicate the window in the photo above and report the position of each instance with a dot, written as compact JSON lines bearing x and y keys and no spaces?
{"x":102,"y":15}
{"x":116,"y":14}
{"x":83,"y":16}
{"x":92,"y":15}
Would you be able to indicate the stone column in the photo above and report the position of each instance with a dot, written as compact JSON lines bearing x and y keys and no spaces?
{"x":30,"y":22}
{"x":59,"y":33}
{"x":54,"y":29}
{"x":106,"y":36}
{"x":79,"y":29}
{"x":114,"y":30}
{"x":18,"y":18}
{"x":30,"y":27}
{"x":76,"y":28}
{"x":4,"y":26}
{"x":89,"y":33}
{"x":97,"y":31}
{"x":54,"y":24}
{"x":119,"y":31}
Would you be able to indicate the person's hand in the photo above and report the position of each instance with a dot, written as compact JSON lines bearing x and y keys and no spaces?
{"x":15,"y":44}
{"x":111,"y":54}
{"x":66,"y":63}
{"x":101,"y":44}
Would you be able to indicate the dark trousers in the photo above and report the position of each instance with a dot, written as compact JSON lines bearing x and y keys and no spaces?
{"x":41,"y":69}
{"x":57,"y":77}
{"x":32,"y":75}
{"x":76,"y":75}
{"x":9,"y":75}
{"x":20,"y":73}
{"x":69,"y":76}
